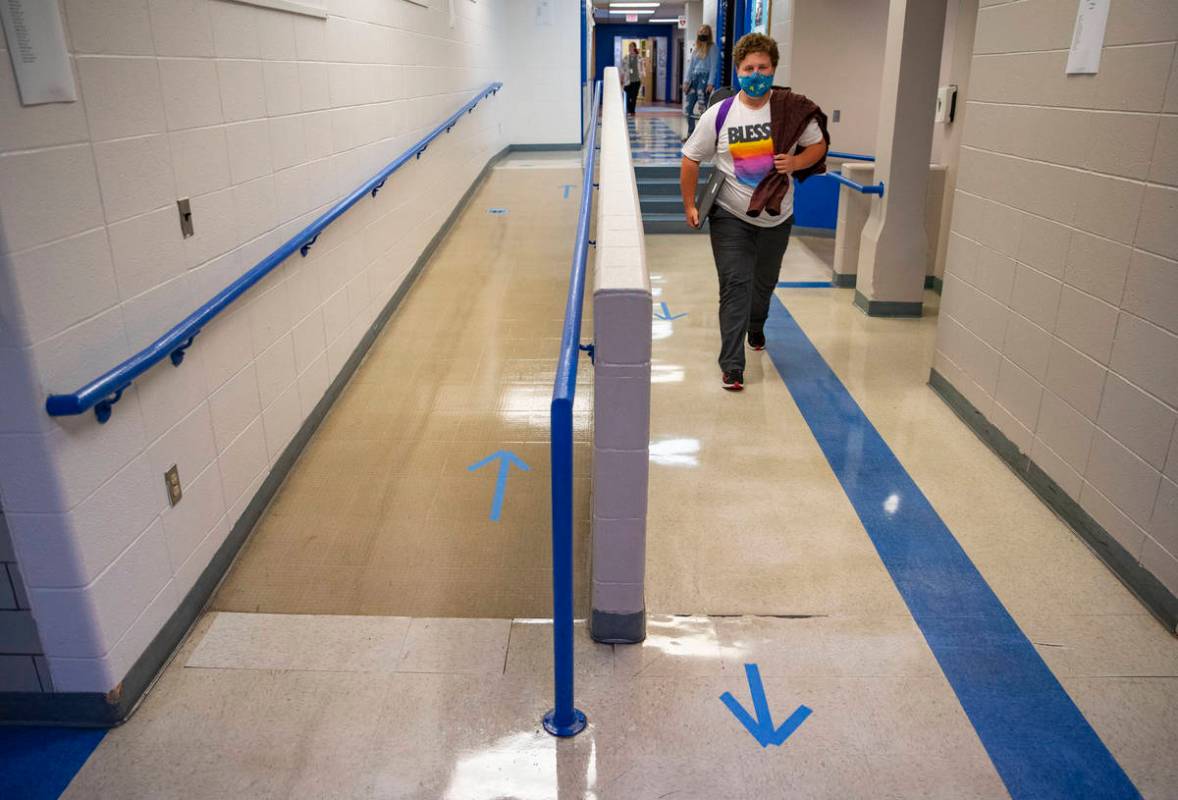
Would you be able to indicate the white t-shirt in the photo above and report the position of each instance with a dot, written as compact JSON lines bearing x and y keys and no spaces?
{"x":744,"y":153}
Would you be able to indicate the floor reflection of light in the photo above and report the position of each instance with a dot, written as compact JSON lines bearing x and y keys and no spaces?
{"x":661,"y":329}
{"x":675,"y":452}
{"x":522,"y":766}
{"x":667,"y":373}
{"x":892,"y":504}
{"x":656,"y":292}
{"x":688,"y":637}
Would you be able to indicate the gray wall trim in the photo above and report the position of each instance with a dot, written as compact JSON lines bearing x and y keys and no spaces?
{"x":816,"y":233}
{"x":844,"y":280}
{"x":933,"y":282}
{"x":1152,"y":593}
{"x":617,"y":628}
{"x":531,"y":148}
{"x":887,"y":308}
{"x":97,"y":710}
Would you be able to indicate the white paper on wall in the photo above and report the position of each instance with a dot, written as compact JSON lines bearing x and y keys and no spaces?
{"x":1088,"y":38}
{"x":36,"y":44}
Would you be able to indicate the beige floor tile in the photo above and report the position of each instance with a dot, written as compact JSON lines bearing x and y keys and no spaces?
{"x":1135,"y":718}
{"x":467,"y":646}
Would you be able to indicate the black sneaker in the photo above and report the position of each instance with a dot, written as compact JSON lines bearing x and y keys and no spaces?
{"x":757,"y":340}
{"x":734,"y":380}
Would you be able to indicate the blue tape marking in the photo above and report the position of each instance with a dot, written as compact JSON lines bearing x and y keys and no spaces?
{"x":39,"y":763}
{"x":506,"y":459}
{"x":667,"y":315}
{"x":803,"y":284}
{"x":567,"y":187}
{"x":1038,"y":740}
{"x":762,"y":728}
{"x":497,"y":211}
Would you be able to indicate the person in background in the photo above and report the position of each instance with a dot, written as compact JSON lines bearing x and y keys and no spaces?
{"x":631,"y":75}
{"x":701,"y":75}
{"x":760,"y":138}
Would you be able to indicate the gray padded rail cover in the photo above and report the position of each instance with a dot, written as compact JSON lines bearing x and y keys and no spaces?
{"x":621,"y":389}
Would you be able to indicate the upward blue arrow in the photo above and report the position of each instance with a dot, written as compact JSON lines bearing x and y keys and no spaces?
{"x":506,"y":459}
{"x":762,"y":728}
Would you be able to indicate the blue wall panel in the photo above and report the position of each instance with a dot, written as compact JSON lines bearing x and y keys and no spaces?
{"x":816,"y":203}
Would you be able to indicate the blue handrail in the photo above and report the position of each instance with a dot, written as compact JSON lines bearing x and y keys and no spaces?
{"x":849,"y":156}
{"x":858,"y":187}
{"x":105,"y":390}
{"x":565,"y":719}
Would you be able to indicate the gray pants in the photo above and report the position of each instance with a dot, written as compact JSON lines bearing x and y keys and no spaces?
{"x":748,"y":262}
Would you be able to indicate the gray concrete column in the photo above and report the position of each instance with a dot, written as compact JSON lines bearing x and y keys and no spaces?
{"x":893,"y":251}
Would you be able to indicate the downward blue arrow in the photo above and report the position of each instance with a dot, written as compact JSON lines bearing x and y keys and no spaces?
{"x":762,"y":728}
{"x":666,"y":315}
{"x":506,"y":459}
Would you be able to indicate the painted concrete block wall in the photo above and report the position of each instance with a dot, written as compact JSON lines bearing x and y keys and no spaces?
{"x":781,"y":29}
{"x":621,"y":406}
{"x":1059,"y":320}
{"x":855,"y":207}
{"x":836,"y":60}
{"x":262,"y":118}
{"x":544,"y":71}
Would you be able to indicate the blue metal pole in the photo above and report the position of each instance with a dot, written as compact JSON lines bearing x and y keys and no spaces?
{"x":565,"y":719}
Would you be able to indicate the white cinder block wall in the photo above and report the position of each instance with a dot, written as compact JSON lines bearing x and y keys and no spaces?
{"x":262,"y":118}
{"x":1060,"y":313}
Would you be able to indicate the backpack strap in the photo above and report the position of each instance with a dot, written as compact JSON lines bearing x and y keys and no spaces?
{"x":722,"y":114}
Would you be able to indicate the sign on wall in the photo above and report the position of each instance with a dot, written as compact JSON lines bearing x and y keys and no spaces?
{"x":758,"y":16}
{"x":36,"y":44}
{"x":1088,"y":37}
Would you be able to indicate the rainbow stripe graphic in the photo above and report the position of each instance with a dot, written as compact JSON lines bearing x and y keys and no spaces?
{"x":752,"y":160}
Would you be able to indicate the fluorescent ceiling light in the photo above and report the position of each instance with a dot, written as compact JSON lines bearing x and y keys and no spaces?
{"x":632,"y":11}
{"x":633,"y":5}
{"x":668,"y":19}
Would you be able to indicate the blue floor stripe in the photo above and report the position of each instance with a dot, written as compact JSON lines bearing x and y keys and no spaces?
{"x":1039,"y":741}
{"x":39,"y":763}
{"x":804,"y":284}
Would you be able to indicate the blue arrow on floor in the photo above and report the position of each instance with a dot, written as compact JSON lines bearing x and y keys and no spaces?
{"x":667,"y":315}
{"x":762,"y":727}
{"x":506,"y":458}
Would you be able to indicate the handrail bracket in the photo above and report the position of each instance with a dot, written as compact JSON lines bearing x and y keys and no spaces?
{"x":102,"y":408}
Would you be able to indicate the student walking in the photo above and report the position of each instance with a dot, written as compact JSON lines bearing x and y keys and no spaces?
{"x":631,"y":75}
{"x":701,"y":76}
{"x":759,"y":138}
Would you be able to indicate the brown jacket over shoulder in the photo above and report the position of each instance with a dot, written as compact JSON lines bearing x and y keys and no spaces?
{"x":789,"y":114}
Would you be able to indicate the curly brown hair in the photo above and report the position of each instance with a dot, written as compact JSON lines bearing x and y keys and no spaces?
{"x":755,"y":43}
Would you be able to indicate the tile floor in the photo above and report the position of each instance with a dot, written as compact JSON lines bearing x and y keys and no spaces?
{"x":754,"y":556}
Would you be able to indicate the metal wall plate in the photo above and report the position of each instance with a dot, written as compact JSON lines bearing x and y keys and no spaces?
{"x":185,"y":210}
{"x":172,"y":481}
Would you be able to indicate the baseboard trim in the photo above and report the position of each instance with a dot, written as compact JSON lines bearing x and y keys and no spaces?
{"x":933,"y":283}
{"x":844,"y":280}
{"x":888,"y":308}
{"x":531,"y":148}
{"x":814,"y":233}
{"x":1152,"y":593}
{"x":97,"y":710}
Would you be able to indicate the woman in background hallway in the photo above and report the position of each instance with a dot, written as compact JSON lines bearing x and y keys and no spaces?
{"x":701,"y":76}
{"x":631,"y":75}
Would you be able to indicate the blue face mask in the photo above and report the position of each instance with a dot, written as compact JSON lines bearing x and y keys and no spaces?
{"x":756,"y":84}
